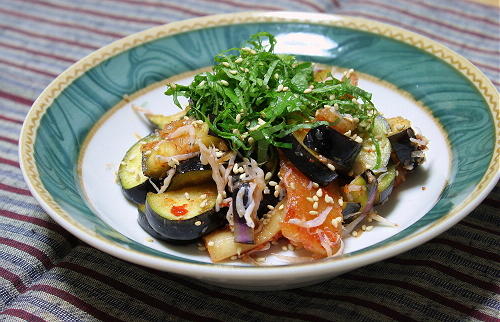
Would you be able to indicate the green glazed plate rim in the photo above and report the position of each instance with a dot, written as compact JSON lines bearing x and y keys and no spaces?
{"x":45,"y":100}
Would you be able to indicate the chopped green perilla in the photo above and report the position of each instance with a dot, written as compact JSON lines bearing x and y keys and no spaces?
{"x":254,"y":97}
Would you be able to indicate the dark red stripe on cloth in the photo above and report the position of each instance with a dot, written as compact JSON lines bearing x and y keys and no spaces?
{"x":25,"y":67}
{"x":37,"y":52}
{"x":474,"y":226}
{"x":62,"y":24}
{"x":170,"y":6}
{"x":33,"y":251}
{"x":237,"y":300}
{"x":8,"y":119}
{"x":15,"y":98}
{"x":492,"y":202}
{"x":382,"y":309}
{"x":22,"y":314}
{"x":138,"y":295}
{"x":459,"y":13}
{"x":35,"y":221}
{"x":310,"y":5}
{"x":446,"y":270}
{"x":9,"y":162}
{"x":466,"y":248}
{"x":75,"y":301}
{"x":14,"y":279}
{"x":244,"y":5}
{"x":46,"y":37}
{"x":96,"y":13}
{"x":426,"y":19}
{"x":2,"y":138}
{"x":422,"y":32}
{"x":14,"y":189}
{"x":422,"y":291}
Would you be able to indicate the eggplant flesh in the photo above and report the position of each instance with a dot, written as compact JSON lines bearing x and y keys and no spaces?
{"x":190,"y":172}
{"x":404,"y":149}
{"x":184,"y":215}
{"x":342,"y":150}
{"x":134,"y":184}
{"x":307,"y":163}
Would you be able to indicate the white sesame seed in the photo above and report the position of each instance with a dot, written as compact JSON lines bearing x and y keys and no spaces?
{"x":267,"y":191}
{"x":331,"y":166}
{"x":358,"y":139}
{"x":197,"y":223}
{"x":368,"y":228}
{"x":268,"y":176}
{"x":150,"y":240}
{"x":310,"y":199}
{"x":203,"y":196}
{"x":261,"y":121}
{"x":292,"y":185}
{"x":233,"y":258}
{"x":203,"y":204}
{"x":234,"y":72}
{"x":341,"y":202}
{"x":236,"y":131}
{"x":239,"y":60}
{"x":315,"y":205}
{"x":313,"y":212}
{"x":247,"y":70}
{"x":307,"y":90}
{"x":253,"y":52}
{"x":354,"y":234}
{"x":319,"y":193}
{"x":363,"y":227}
{"x":348,"y":133}
{"x":238,"y":118}
{"x":285,"y":88}
{"x":225,"y":64}
{"x":328,"y":199}
{"x":251,"y":140}
{"x":210,"y":243}
{"x":315,"y":185}
{"x":280,"y":88}
{"x":284,"y":248}
{"x":224,"y":82}
{"x":242,"y":176}
{"x":315,"y":198}
{"x":186,"y":195}
{"x":276,"y":194}
{"x":290,"y":247}
{"x":270,"y":207}
{"x":281,"y":207}
{"x":272,"y":183}
{"x":219,"y":154}
{"x":201,"y":83}
{"x":245,"y":49}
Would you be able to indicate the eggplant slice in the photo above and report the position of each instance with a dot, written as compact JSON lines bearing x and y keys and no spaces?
{"x":184,"y":215}
{"x":406,"y":151}
{"x":307,"y":162}
{"x":134,"y":183}
{"x":190,"y":172}
{"x":340,"y":149}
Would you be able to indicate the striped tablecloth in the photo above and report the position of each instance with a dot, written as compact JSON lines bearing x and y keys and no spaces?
{"x":47,"y":274}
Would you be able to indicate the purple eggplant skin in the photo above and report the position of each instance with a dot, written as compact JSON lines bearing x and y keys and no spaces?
{"x":243,"y":234}
{"x":307,"y":163}
{"x":342,"y":150}
{"x":350,"y":208}
{"x":372,"y":188}
{"x":144,"y":224}
{"x":138,"y":193}
{"x":403,"y":148}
